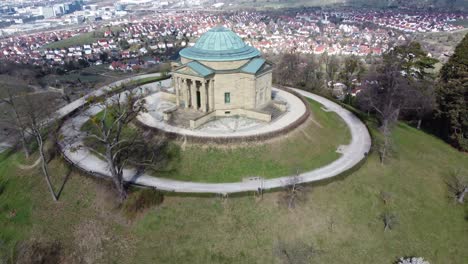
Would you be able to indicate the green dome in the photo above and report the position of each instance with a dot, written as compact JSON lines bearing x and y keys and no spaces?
{"x":219,"y":44}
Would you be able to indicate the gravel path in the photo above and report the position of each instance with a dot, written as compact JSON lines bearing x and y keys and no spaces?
{"x":71,"y":145}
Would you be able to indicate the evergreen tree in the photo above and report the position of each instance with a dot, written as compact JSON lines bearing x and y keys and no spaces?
{"x":415,"y":60}
{"x":452,"y":97}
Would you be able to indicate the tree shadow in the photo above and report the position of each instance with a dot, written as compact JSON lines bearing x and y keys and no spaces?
{"x":64,"y":182}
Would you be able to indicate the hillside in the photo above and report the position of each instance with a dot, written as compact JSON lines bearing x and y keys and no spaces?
{"x":337,"y":222}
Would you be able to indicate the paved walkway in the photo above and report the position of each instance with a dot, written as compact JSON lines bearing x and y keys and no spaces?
{"x":64,"y":111}
{"x":71,"y":144}
{"x":296,"y":109}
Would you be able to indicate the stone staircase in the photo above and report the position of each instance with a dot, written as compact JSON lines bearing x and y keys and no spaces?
{"x":273,"y":110}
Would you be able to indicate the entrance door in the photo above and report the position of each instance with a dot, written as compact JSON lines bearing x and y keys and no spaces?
{"x":198,"y":99}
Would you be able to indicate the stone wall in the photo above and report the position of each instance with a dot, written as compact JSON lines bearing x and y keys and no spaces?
{"x":265,"y":117}
{"x":224,"y":65}
{"x":168,"y":96}
{"x":263,"y":86}
{"x":218,"y":65}
{"x":241,"y":87}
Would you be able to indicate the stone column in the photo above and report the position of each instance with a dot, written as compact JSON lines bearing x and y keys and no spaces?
{"x":206,"y":85}
{"x":177,"y":90}
{"x":212,"y":95}
{"x":187,"y":93}
{"x":203,"y":95}
{"x":193,"y":94}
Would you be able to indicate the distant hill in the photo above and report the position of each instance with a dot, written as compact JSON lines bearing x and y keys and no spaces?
{"x":451,"y":4}
{"x":459,"y":5}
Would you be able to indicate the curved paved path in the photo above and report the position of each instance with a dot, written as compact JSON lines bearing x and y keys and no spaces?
{"x":64,"y":111}
{"x":352,"y":154}
{"x":296,"y":109}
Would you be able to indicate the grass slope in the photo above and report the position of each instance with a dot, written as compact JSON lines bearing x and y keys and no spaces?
{"x":339,"y":218}
{"x":312,"y":146}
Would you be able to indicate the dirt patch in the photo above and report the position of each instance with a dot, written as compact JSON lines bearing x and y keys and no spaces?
{"x":106,"y":203}
{"x":39,"y":252}
{"x":89,"y":238}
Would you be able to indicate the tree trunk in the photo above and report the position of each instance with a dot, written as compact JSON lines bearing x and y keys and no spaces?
{"x":24,"y":145}
{"x":461,"y":196}
{"x":384,"y":146}
{"x":44,"y":166}
{"x":117,"y":176}
{"x":419,"y":124}
{"x":383,"y":151}
{"x":291,"y":202}
{"x":24,"y":142}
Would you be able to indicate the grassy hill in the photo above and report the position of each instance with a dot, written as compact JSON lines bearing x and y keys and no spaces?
{"x":338,"y":222}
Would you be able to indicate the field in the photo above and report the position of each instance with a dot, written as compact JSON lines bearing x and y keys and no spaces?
{"x":79,"y":40}
{"x":338,"y":221}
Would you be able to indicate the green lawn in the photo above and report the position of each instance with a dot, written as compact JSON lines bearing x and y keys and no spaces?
{"x":78,"y":40}
{"x":312,"y":146}
{"x":339,"y":219}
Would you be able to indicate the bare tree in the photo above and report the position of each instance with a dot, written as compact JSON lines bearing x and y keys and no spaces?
{"x":332,"y":66}
{"x":16,"y":124}
{"x":389,"y":219}
{"x":120,"y":146}
{"x":287,"y":70}
{"x":385,"y":95}
{"x":312,"y":77}
{"x":294,"y":191}
{"x":36,"y":115}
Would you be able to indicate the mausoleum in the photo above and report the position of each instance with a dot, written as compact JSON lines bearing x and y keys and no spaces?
{"x":221,"y":73}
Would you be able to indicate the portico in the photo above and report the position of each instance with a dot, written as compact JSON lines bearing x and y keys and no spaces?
{"x":194,"y":92}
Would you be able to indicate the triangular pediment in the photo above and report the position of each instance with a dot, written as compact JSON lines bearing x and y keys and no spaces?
{"x":187,"y":70}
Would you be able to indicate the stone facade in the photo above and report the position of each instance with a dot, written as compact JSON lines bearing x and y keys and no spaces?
{"x":209,"y":80}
